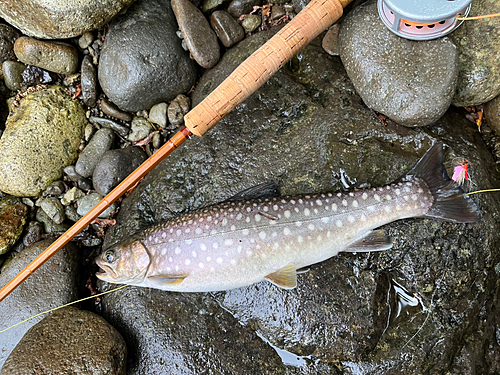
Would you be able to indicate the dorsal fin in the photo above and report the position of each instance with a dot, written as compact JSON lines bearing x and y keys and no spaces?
{"x":285,"y":278}
{"x":266,"y":190}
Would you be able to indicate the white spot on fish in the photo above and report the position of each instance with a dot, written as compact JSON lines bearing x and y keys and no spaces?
{"x":239,"y":248}
{"x":351,"y":194}
{"x":187,"y":230}
{"x":247,"y":219}
{"x":265,"y":208}
{"x":245,"y":232}
{"x":414,"y":197}
{"x":201,"y":265}
{"x":275,"y":207}
{"x":398,"y":191}
{"x":307,"y":212}
{"x":198,"y":231}
{"x":296,"y":209}
{"x":194,"y":254}
{"x":224,"y":222}
{"x":163,"y":235}
{"x":334,"y":207}
{"x":398,"y":208}
{"x":338,"y":223}
{"x":239,"y":216}
{"x":287,"y":214}
{"x":263,"y":256}
{"x":189,"y":242}
{"x":420,"y":190}
{"x":169,"y":269}
{"x":355,"y":203}
{"x":150,"y":239}
{"x":388,"y":197}
{"x":262,"y":235}
{"x":406,"y":198}
{"x":209,"y":259}
{"x":209,"y":218}
{"x":177,"y":268}
{"x":233,"y":262}
{"x":344,"y":203}
{"x":311,"y":227}
{"x":301,"y":201}
{"x":258,"y":217}
{"x":387,"y":209}
{"x":287,"y":231}
{"x":170,"y":259}
{"x":249,"y":253}
{"x":371,"y":208}
{"x":228,"y":242}
{"x":233,"y":227}
{"x":177,"y":250}
{"x":171,"y":230}
{"x":339,"y":195}
{"x":300,"y":239}
{"x":298,"y":223}
{"x":377,"y":197}
{"x":328,"y":234}
{"x":319,"y":203}
{"x":350,"y":218}
{"x":187,"y":262}
{"x":325,"y":219}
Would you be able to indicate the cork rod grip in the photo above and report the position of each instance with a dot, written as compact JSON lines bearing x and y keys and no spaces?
{"x":263,"y":63}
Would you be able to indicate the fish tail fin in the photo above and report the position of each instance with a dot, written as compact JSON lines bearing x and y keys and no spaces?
{"x":450,"y":201}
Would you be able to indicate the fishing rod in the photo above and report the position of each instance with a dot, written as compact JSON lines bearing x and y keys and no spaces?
{"x":316,"y":17}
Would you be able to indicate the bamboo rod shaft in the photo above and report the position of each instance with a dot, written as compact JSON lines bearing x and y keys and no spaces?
{"x":317,"y":16}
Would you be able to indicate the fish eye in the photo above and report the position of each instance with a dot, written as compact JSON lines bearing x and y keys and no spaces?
{"x":109,"y":256}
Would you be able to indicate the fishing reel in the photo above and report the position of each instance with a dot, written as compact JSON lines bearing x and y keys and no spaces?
{"x":422,"y":19}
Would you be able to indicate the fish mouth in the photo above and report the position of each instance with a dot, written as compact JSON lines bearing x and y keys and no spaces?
{"x":107,"y":273}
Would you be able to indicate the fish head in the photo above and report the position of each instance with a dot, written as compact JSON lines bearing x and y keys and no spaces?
{"x":124,"y":263}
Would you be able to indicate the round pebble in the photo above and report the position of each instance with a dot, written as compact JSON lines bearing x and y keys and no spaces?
{"x":71,"y":213}
{"x":251,"y":22}
{"x":139,"y":129}
{"x":101,"y":142}
{"x":71,"y":196}
{"x":33,"y":233}
{"x":158,"y":114}
{"x":54,"y":209}
{"x":86,"y":40}
{"x":175,"y":114}
{"x":122,"y":130}
{"x":227,"y":29}
{"x":237,"y":8}
{"x":115,"y":166}
{"x":13,"y":74}
{"x":88,"y":202}
{"x":55,"y":188}
{"x":329,"y":42}
{"x":55,"y":57}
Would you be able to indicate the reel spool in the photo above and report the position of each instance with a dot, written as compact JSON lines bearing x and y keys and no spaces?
{"x":422,"y":19}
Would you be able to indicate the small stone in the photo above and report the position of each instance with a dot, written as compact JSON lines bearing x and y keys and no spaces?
{"x":34,"y":232}
{"x":55,"y":188}
{"x":62,"y":341}
{"x":198,"y":35}
{"x":71,"y":213}
{"x":89,"y":201}
{"x":72,"y":196}
{"x":139,"y":129}
{"x":49,"y":226}
{"x":88,"y":132}
{"x":33,"y":75}
{"x":175,"y":115}
{"x":13,"y":215}
{"x":28,"y":202}
{"x":101,"y":142}
{"x":251,"y":22}
{"x":71,"y":173}
{"x":112,"y":110}
{"x":13,"y":74}
{"x":237,"y":8}
{"x":54,"y":209}
{"x":8,"y":36}
{"x":227,"y":29}
{"x":86,"y":40}
{"x":85,"y":184}
{"x":158,"y":114}
{"x":89,"y":82}
{"x":209,"y":5}
{"x":492,"y":114}
{"x":277,"y":12}
{"x":156,"y":141}
{"x":115,"y":166}
{"x":55,"y":57}
{"x":122,"y":130}
{"x":329,"y":42}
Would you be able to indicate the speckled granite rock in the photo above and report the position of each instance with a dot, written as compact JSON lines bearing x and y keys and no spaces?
{"x":41,"y":137}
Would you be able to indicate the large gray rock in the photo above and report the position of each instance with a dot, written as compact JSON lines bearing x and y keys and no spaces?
{"x":41,"y":137}
{"x":54,"y":19}
{"x":307,"y":129}
{"x":401,"y":78}
{"x":69,"y":341}
{"x":53,"y":285}
{"x":479,"y":51}
{"x":142,"y":62}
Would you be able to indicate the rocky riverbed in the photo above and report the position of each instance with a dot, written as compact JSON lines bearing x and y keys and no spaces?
{"x":355,"y":109}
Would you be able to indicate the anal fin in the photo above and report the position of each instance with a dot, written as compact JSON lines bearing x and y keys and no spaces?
{"x":167,"y":279}
{"x":285,"y":278}
{"x":375,"y":240}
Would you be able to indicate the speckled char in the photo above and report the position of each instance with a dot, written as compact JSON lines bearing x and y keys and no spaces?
{"x":239,"y":243}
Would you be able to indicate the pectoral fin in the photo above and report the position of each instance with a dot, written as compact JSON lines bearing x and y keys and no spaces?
{"x":285,"y":278}
{"x":376,"y":240}
{"x":167,"y":279}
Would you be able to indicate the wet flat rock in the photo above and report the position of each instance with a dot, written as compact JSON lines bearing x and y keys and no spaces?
{"x":308,"y":130}
{"x":53,"y":19}
{"x":55,"y":284}
{"x":400,"y":78}
{"x":69,"y":341}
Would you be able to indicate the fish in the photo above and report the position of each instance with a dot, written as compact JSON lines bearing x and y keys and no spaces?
{"x":243,"y":241}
